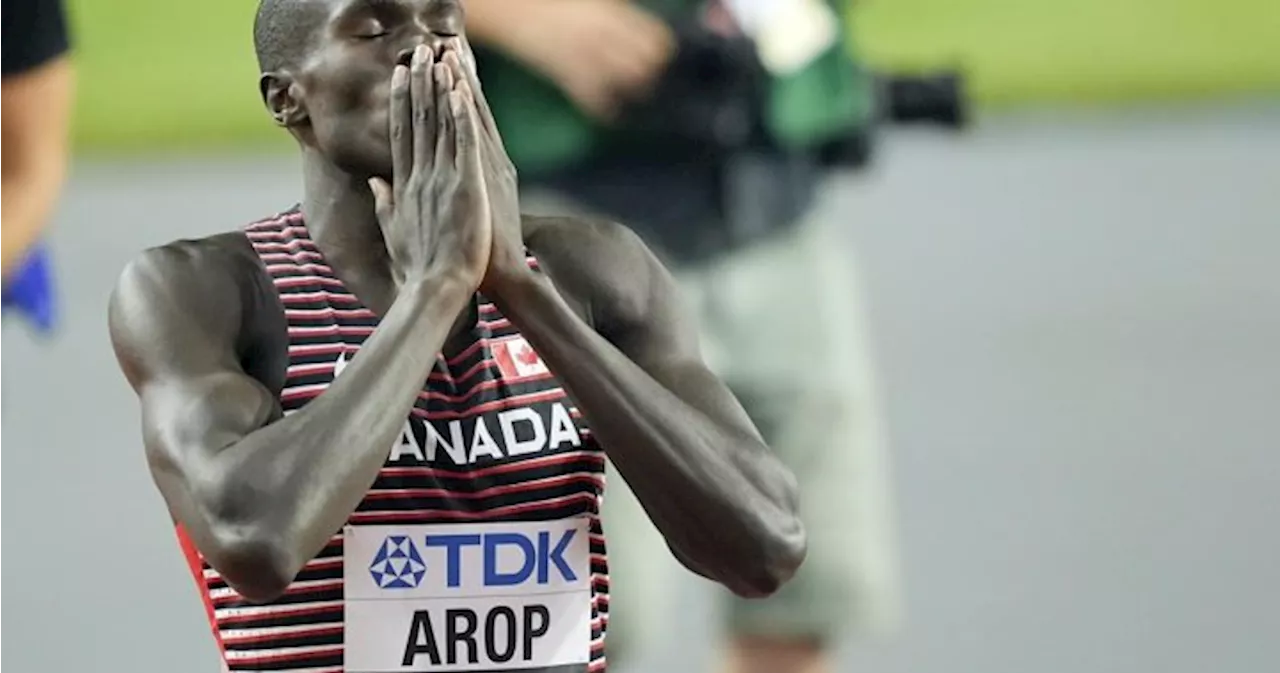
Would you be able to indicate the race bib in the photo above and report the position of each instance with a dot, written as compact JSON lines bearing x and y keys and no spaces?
{"x":467,"y":597}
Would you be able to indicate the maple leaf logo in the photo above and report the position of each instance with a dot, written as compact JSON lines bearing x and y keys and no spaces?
{"x":517,"y":359}
{"x":526,"y":355}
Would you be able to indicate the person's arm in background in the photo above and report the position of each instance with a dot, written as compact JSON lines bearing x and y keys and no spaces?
{"x":600,"y":53}
{"x":36,"y":94}
{"x":35,"y":112}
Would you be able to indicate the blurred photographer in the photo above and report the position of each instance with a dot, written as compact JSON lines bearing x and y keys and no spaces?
{"x":711,"y":129}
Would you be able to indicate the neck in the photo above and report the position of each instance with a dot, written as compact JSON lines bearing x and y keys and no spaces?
{"x":339,"y":213}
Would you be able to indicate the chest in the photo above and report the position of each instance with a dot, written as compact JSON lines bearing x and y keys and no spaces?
{"x":492,"y":434}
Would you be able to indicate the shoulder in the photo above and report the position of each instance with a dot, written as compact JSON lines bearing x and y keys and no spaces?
{"x":630,"y":297}
{"x":188,"y":291}
{"x":558,"y":235}
{"x":214,"y":265}
{"x":600,"y":262}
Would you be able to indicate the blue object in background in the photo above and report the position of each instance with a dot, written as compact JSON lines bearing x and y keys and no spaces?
{"x":30,"y":292}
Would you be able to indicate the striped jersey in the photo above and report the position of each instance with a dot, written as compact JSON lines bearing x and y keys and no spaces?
{"x":461,"y":458}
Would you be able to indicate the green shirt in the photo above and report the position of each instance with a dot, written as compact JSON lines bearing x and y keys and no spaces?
{"x":542,"y":130}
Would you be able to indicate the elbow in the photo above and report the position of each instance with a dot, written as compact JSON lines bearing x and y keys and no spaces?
{"x":253,"y":562}
{"x":781,"y":554}
{"x":245,"y":545}
{"x":782,"y":544}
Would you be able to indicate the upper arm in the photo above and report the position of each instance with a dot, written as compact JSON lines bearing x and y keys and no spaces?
{"x":175,"y":321}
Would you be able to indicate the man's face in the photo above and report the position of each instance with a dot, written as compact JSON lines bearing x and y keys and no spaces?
{"x":346,"y":80}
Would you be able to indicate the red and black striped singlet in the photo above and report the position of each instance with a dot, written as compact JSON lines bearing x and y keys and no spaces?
{"x":457,"y":460}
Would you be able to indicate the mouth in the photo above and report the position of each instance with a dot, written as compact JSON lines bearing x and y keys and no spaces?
{"x":454,"y":44}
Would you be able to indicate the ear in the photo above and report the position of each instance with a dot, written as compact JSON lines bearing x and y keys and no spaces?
{"x":283,"y":97}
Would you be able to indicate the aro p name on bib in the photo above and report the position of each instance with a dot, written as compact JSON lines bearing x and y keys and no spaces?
{"x":467,"y":597}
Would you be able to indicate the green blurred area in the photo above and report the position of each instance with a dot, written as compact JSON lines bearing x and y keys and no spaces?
{"x":159,"y":75}
{"x":1082,"y":51}
{"x":168,"y":76}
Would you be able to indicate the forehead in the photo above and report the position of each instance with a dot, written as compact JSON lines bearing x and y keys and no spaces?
{"x":340,"y":8}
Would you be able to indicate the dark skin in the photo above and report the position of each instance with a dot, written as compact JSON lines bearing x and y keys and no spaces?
{"x":411,"y":198}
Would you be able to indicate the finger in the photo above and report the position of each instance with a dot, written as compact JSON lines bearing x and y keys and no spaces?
{"x":383,"y":205}
{"x":467,"y":146}
{"x":400,"y":116}
{"x":492,"y":147}
{"x":467,"y":68}
{"x":424,"y":131}
{"x":445,"y":131}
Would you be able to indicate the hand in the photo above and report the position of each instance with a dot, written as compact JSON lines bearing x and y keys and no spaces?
{"x":601,"y":53}
{"x":435,"y":218}
{"x":507,"y":259}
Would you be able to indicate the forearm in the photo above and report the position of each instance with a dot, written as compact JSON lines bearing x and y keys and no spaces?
{"x":34,"y":129}
{"x":306,"y":473}
{"x":721,"y":499}
{"x":28,"y":200}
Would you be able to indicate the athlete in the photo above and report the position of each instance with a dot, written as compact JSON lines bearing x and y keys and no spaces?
{"x":379,"y":419}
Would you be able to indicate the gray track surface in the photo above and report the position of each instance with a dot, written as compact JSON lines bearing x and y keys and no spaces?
{"x":1077,"y":322}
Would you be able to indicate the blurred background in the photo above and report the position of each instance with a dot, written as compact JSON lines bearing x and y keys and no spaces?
{"x":1068,"y":283}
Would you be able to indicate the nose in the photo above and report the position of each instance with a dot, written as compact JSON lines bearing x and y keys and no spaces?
{"x":435,"y":40}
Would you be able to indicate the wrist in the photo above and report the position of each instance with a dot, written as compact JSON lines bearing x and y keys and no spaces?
{"x":510,"y":281}
{"x":447,"y":284}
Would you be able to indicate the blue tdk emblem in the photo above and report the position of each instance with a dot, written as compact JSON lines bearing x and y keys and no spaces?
{"x":397,"y":564}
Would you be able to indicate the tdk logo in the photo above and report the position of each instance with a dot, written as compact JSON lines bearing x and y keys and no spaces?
{"x":502,"y":559}
{"x":397,"y":564}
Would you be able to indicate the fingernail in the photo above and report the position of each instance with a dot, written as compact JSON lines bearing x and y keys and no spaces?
{"x":399,"y":76}
{"x":420,"y":54}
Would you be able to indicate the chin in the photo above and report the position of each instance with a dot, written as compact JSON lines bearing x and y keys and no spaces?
{"x":364,"y":155}
{"x":364,"y":163}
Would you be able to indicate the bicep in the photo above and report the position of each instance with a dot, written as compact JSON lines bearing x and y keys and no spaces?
{"x":188,"y":424}
{"x":174,"y":333}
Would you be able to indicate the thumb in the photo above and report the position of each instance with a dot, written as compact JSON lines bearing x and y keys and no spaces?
{"x":382,"y":201}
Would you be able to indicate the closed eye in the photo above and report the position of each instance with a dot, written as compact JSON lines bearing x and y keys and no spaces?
{"x":370,"y":28}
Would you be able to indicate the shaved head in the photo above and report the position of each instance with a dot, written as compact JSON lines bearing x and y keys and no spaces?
{"x":282,"y":31}
{"x":326,"y":65}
